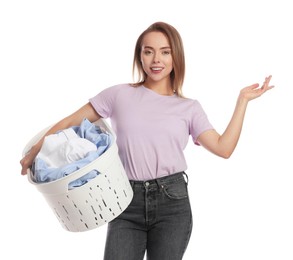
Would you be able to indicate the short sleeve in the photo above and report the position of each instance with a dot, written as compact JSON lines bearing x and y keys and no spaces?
{"x":104,"y":102}
{"x":199,"y":121}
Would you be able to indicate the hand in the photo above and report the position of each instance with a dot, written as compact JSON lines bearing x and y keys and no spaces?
{"x":254,"y":91}
{"x":27,"y":161}
{"x":26,"y":164}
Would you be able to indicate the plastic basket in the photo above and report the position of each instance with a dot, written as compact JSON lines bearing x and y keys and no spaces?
{"x":95,"y":203}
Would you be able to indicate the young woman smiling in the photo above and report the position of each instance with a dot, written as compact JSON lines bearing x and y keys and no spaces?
{"x":153,"y":122}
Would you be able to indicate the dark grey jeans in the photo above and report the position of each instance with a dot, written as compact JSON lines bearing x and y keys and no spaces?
{"x":157,"y":221}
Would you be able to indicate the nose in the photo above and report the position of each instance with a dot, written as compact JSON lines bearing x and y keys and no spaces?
{"x":156,"y":58}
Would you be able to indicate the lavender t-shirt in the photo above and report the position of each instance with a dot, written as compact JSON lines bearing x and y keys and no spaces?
{"x":152,"y":130}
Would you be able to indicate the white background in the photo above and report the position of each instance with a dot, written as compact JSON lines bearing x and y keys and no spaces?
{"x":55,"y":55}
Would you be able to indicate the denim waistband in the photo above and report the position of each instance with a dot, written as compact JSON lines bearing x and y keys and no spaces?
{"x":160,"y":181}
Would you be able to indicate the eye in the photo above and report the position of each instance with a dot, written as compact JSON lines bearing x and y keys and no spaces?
{"x":166,"y":52}
{"x":147,"y":52}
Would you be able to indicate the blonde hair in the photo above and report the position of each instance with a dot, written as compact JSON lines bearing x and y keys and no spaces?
{"x":177,"y":50}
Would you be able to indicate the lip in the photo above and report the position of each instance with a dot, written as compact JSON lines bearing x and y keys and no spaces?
{"x":156,"y":69}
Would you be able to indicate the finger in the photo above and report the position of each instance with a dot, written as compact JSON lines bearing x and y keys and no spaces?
{"x":266,"y":82}
{"x":254,"y":86}
{"x":24,"y":171}
{"x":270,"y":87}
{"x":268,"y":79}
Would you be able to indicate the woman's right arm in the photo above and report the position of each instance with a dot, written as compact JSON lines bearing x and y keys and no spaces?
{"x":86,"y":111}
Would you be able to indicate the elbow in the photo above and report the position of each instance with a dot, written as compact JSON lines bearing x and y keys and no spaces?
{"x":226,"y":151}
{"x":225,"y":154}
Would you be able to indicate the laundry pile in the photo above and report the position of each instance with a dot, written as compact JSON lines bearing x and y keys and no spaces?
{"x":69,"y":150}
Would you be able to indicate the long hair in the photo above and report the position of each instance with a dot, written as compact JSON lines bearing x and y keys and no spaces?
{"x":177,"y":51}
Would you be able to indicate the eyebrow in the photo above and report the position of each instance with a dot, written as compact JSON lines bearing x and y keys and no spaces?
{"x":149,"y":47}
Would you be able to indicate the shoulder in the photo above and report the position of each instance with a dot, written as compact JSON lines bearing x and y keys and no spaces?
{"x":115,"y":90}
{"x":189,"y":102}
{"x":118,"y":87}
{"x":193,"y":108}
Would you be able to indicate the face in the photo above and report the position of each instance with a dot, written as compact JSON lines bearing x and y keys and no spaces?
{"x":156,"y":58}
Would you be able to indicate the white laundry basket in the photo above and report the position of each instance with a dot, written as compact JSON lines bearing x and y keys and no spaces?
{"x":95,"y":203}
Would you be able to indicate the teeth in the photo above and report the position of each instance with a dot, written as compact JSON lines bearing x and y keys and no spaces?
{"x":156,"y":68}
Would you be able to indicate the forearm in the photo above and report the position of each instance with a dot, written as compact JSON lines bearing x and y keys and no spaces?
{"x":34,"y":150}
{"x":28,"y":159}
{"x":229,"y":139}
{"x":224,"y":145}
{"x":63,"y":124}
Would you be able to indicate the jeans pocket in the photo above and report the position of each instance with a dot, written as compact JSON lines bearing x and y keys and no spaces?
{"x":176,"y":190}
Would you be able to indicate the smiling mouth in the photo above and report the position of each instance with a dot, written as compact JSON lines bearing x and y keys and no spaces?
{"x":156,"y":69}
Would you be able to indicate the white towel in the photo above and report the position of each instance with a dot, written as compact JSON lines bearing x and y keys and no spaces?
{"x":64,"y":147}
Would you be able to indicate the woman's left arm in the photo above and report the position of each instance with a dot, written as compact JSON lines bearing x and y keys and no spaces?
{"x":224,"y":145}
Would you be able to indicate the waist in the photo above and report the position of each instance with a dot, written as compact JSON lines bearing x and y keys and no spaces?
{"x":160,"y":181}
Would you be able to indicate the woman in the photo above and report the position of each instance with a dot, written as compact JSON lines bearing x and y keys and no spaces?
{"x":153,"y":122}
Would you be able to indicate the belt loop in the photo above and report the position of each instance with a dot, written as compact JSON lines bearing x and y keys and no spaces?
{"x":131,"y":183}
{"x":186,"y":177}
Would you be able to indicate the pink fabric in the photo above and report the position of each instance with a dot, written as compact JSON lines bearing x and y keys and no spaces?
{"x":152,"y":130}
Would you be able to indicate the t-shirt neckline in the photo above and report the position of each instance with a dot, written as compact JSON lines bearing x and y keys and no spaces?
{"x":157,"y":94}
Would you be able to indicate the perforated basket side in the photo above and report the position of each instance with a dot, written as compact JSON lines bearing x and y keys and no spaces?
{"x":95,"y":203}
